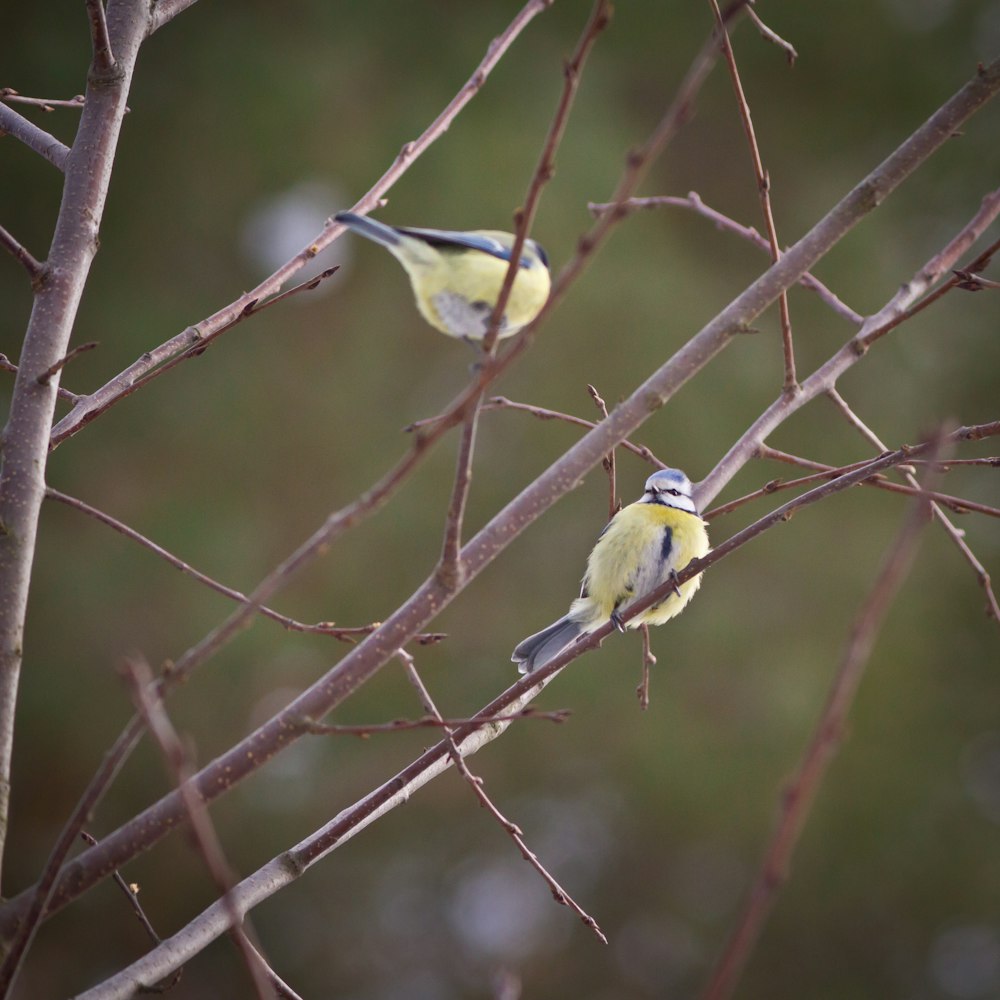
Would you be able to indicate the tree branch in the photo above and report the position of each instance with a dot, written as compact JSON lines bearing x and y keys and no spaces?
{"x":32,"y":266}
{"x":36,"y":139}
{"x":798,"y":798}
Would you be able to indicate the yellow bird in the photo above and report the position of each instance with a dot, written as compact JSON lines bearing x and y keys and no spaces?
{"x":644,"y":545}
{"x":457,"y":276}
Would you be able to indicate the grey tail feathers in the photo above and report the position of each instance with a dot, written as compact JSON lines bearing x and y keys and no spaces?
{"x":538,"y":649}
{"x":374,"y":230}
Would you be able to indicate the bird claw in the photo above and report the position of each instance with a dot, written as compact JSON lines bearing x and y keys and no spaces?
{"x":616,"y":620}
{"x":673,"y":580}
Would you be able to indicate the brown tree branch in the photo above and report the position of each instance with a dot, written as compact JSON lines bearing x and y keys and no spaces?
{"x":206,"y":839}
{"x":10,"y":95}
{"x":827,"y":736}
{"x":29,"y":263}
{"x":104,"y":58}
{"x":36,"y":139}
{"x":46,"y":339}
{"x":428,"y":722}
{"x":609,"y":460}
{"x":559,"y":894}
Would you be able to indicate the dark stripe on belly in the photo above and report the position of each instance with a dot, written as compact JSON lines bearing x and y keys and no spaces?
{"x":668,"y":543}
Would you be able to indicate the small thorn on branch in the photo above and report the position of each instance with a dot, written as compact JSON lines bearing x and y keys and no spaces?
{"x":49,"y":372}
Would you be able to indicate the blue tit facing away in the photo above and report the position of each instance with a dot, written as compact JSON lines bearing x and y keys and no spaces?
{"x":457,"y":276}
{"x":643,"y":546}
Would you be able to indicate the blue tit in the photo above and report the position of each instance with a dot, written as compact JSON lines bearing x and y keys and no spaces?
{"x":644,"y":545}
{"x":457,"y":277}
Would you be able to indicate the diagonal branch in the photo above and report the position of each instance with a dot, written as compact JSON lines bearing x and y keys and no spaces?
{"x":28,"y":262}
{"x":798,"y":798}
{"x":104,"y":59}
{"x":36,"y":139}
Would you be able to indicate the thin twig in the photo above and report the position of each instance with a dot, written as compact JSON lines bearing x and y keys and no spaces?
{"x":181,"y":770}
{"x":36,"y":139}
{"x":559,"y":894}
{"x":122,"y":384}
{"x":344,"y":634}
{"x":648,"y":660}
{"x":28,"y":262}
{"x":609,"y":459}
{"x":429,"y":722}
{"x":827,"y":736}
{"x":969,"y":281}
{"x":955,"y":534}
{"x":104,"y":58}
{"x":772,"y":36}
{"x":8,"y":366}
{"x":131,"y":892}
{"x":10,"y":95}
{"x":723,"y":222}
{"x":58,"y":366}
{"x":503,"y":403}
{"x":763,"y":192}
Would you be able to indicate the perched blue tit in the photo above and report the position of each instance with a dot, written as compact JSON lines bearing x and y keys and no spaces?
{"x":457,"y":276}
{"x":643,"y":546}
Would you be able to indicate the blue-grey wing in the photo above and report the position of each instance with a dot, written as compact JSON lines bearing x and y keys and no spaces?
{"x":455,"y":238}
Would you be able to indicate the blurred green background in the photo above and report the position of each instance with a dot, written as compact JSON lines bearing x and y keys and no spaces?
{"x":250,"y":124}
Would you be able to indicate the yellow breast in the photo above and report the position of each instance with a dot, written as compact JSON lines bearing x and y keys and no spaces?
{"x":636,"y":553}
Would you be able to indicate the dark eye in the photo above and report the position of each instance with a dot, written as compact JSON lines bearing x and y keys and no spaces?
{"x":674,"y":493}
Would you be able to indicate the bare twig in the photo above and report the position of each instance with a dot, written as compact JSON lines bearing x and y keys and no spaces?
{"x":47,"y":146}
{"x":10,"y":95}
{"x":763,"y":191}
{"x":131,"y":892}
{"x":609,"y":460}
{"x":559,"y":894}
{"x":969,"y":281}
{"x":798,"y":798}
{"x":955,"y":534}
{"x":122,"y":384}
{"x":58,"y":365}
{"x":179,"y":765}
{"x":429,"y":722}
{"x":648,"y":660}
{"x":790,"y":54}
{"x":8,"y":366}
{"x":694,"y":203}
{"x":344,"y":634}
{"x":502,"y":403}
{"x":104,"y":58}
{"x":28,"y":262}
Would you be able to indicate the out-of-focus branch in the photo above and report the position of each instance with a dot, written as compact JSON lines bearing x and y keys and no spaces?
{"x":36,"y":139}
{"x":181,"y":770}
{"x":92,"y":406}
{"x":798,"y":798}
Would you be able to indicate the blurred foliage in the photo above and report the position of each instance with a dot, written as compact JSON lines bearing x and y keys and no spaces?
{"x":656,"y":821}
